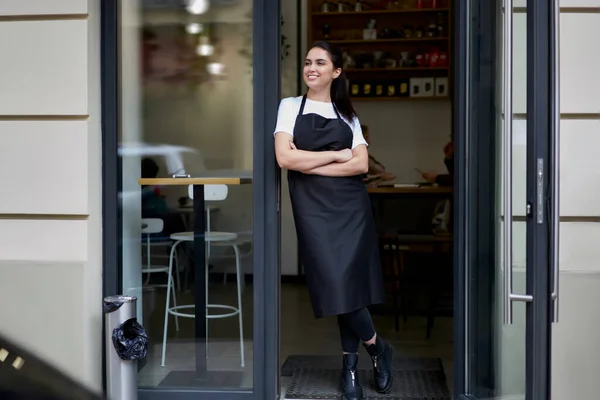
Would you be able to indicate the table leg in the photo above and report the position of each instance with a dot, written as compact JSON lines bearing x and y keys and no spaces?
{"x":200,"y":281}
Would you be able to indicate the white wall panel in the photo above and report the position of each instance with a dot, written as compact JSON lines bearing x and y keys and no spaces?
{"x":41,"y":7}
{"x":580,"y":3}
{"x":579,"y":61}
{"x":44,"y":68}
{"x":575,"y":345}
{"x":43,"y":310}
{"x":43,"y":167}
{"x":579,"y":168}
{"x":580,"y":246}
{"x":43,"y":240}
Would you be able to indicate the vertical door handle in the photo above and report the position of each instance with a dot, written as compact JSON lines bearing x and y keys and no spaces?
{"x":507,"y":83}
{"x":555,"y":147}
{"x":507,"y":145}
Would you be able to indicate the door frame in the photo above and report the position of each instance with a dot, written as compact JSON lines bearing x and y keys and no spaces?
{"x":474,"y":110}
{"x":266,"y":197}
{"x":540,"y":112}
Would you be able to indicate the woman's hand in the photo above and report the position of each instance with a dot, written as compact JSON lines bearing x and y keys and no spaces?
{"x":289,"y":157}
{"x":342,"y":155}
{"x":347,"y":163}
{"x":429,"y":176}
{"x":387,"y":176}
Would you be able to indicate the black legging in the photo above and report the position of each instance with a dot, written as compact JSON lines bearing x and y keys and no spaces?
{"x":355,"y":326}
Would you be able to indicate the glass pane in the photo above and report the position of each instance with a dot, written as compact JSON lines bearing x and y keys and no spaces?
{"x":510,"y":340}
{"x":503,"y":377}
{"x":186,"y":108}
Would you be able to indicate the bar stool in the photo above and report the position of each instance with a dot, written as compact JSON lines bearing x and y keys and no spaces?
{"x":151,"y":226}
{"x":211,"y":193}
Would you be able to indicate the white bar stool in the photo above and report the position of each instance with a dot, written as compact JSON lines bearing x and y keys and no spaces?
{"x":150,"y":226}
{"x":211,"y":193}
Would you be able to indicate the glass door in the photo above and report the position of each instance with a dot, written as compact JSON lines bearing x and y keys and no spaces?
{"x":191,"y":190}
{"x":505,"y":127}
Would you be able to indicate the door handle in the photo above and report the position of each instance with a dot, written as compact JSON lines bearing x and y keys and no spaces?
{"x":555,"y":148}
{"x":507,"y":78}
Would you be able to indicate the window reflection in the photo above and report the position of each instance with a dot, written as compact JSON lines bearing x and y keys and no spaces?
{"x":186,"y":109}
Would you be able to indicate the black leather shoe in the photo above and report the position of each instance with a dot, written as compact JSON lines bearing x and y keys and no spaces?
{"x":351,"y":389}
{"x":382,"y":354}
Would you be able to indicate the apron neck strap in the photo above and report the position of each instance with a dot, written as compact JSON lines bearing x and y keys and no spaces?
{"x":304,"y":103}
{"x":336,"y":111}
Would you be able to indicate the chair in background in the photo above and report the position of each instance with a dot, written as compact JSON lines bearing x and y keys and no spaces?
{"x":152,"y":226}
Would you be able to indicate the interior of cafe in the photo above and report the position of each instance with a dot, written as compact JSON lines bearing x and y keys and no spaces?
{"x":187,"y":91}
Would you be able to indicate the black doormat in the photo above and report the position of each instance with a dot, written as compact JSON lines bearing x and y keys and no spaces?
{"x":333,"y":362}
{"x":408,"y":385}
{"x":212,"y":379}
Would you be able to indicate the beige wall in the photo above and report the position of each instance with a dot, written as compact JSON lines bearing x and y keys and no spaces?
{"x":575,"y":347}
{"x":50,"y":210}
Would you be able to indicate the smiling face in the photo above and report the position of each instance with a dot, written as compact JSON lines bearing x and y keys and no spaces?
{"x":319,"y":70}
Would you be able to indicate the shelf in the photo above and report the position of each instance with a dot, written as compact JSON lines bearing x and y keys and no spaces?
{"x":384,"y":41}
{"x":367,"y":70}
{"x":430,"y":98}
{"x":378,"y":12}
{"x":346,"y":30}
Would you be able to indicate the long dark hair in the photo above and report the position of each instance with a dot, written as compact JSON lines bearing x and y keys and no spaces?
{"x":340,"y":95}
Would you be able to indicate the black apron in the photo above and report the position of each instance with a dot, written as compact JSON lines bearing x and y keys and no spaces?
{"x":336,"y":231}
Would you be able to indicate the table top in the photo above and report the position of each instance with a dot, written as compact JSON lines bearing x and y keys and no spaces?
{"x":411,"y":190}
{"x":195,"y":181}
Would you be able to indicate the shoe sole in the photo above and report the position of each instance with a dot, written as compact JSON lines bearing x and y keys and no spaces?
{"x":360,"y":398}
{"x":389,"y":386}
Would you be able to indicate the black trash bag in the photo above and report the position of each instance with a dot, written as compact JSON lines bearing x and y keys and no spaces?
{"x":130,"y":340}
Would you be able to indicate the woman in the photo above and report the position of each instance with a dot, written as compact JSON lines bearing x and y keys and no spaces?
{"x":319,"y":140}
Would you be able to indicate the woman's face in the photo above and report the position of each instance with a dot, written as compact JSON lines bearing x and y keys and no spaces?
{"x":319,"y":70}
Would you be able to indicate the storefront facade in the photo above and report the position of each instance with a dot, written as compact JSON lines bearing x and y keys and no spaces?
{"x":68,"y":101}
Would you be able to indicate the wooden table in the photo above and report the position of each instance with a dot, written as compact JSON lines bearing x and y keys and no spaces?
{"x":201,"y":374}
{"x":407,"y":207}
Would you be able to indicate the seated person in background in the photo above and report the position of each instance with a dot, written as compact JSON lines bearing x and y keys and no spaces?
{"x":377,"y":171}
{"x":444,"y":179}
{"x":155,"y":206}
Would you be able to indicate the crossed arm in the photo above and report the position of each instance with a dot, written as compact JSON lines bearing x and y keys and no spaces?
{"x":326,"y":163}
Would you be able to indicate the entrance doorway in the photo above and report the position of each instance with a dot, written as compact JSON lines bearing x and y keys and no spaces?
{"x":497,"y":281}
{"x":472,"y":319}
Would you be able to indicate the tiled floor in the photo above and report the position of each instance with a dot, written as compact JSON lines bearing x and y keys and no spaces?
{"x":301,"y":334}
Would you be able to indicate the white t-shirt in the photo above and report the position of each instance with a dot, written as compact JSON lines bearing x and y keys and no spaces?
{"x":290,"y":107}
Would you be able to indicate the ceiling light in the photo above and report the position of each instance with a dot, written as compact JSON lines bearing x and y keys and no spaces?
{"x":204,"y":47}
{"x":193,"y":28}
{"x":215,"y":68}
{"x":197,"y":6}
{"x":204,"y":50}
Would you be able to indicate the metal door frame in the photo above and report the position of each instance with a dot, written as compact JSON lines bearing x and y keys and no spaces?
{"x":266,"y":93}
{"x":474,"y":77}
